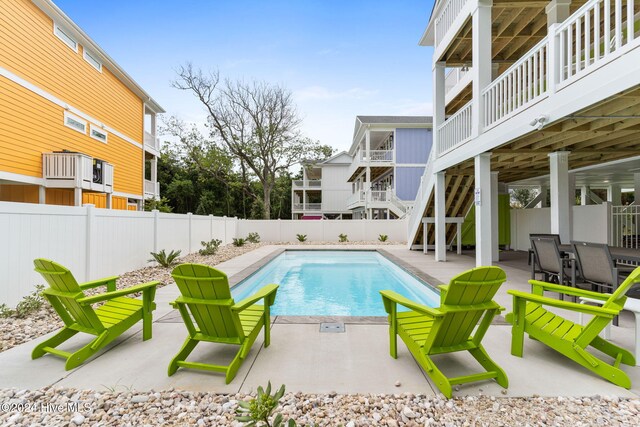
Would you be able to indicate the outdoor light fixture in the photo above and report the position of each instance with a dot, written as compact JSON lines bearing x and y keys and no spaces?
{"x":540,"y":121}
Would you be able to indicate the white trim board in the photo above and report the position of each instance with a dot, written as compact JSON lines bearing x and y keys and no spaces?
{"x":25,"y":179}
{"x":127,"y":195}
{"x":46,"y":95}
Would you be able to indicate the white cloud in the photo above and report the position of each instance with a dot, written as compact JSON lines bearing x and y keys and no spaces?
{"x":322,"y":93}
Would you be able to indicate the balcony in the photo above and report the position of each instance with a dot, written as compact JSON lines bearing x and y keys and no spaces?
{"x":598,"y":33}
{"x":310,"y":184}
{"x":377,"y":158}
{"x":77,"y":170}
{"x":151,"y":189}
{"x":151,"y":143}
{"x":377,"y":199}
{"x":307,"y":207}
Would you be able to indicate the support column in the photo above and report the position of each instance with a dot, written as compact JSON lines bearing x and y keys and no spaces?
{"x":557,"y":11}
{"x":482,"y":200}
{"x":614,"y":194}
{"x":42,"y":194}
{"x":77,"y":196}
{"x":560,"y":209}
{"x":481,"y":48}
{"x":495,"y":249}
{"x":440,"y":217}
{"x":438,"y":102}
{"x":109,"y":201}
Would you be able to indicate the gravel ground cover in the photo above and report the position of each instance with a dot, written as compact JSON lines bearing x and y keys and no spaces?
{"x":18,"y":330}
{"x":69,"y":407}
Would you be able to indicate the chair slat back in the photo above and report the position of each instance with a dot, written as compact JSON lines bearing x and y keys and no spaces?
{"x":469,"y":291}
{"x":547,"y":253}
{"x":66,"y":292}
{"x":206,"y":283}
{"x":595,"y":262}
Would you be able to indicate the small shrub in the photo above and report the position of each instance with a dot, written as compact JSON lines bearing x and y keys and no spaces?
{"x":5,"y":311}
{"x":301,"y":237}
{"x":239,"y":242}
{"x":261,"y":409}
{"x":211,"y":247}
{"x":342,"y":238}
{"x":253,"y":238}
{"x":383,"y":237}
{"x":163,"y":258}
{"x":29,"y":304}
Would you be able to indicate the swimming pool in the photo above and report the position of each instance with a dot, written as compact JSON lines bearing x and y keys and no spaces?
{"x":334,"y":283}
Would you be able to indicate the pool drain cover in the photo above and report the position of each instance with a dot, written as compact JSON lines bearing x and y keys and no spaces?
{"x":332,"y":327}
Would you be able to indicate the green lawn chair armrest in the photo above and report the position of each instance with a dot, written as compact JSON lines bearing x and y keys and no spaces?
{"x":389,"y":297}
{"x":119,"y":293}
{"x":267,"y":292}
{"x":567,"y":290}
{"x":567,"y":305}
{"x":110,"y":282}
{"x":201,"y":301}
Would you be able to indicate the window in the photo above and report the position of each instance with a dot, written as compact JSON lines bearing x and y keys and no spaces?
{"x":63,"y":35}
{"x":91,"y":59}
{"x":75,"y":122}
{"x":97,"y":133}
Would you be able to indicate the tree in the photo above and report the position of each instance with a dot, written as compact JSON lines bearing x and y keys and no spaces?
{"x":521,"y":197}
{"x":257,"y":122}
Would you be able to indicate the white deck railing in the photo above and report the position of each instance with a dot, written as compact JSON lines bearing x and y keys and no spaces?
{"x":151,"y":188}
{"x":595,"y":31}
{"x":520,"y":85}
{"x":422,"y":197}
{"x":453,"y":77}
{"x":624,"y":226}
{"x":75,"y":170}
{"x":380,"y":156}
{"x":456,"y":130}
{"x":445,"y":18}
{"x":151,"y":141}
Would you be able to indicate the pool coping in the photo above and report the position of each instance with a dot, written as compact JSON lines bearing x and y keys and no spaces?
{"x":353,"y":320}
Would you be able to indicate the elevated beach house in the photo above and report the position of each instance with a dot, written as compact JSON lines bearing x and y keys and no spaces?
{"x":74,"y":126}
{"x":530,"y":92}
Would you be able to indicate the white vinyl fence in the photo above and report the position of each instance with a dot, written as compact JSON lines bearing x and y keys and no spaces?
{"x":92,"y":242}
{"x":284,"y":230}
{"x":591,"y":223}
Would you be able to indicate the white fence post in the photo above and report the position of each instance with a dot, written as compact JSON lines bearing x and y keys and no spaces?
{"x":224,"y":231}
{"x":90,"y":212}
{"x":155,"y":230}
{"x":190,"y":218}
{"x":210,"y":227}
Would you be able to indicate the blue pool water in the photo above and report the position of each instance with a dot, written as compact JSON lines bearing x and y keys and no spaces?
{"x":334,"y":283}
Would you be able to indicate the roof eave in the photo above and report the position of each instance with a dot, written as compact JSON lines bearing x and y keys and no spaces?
{"x":57,"y":15}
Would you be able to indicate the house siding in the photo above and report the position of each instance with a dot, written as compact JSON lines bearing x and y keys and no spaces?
{"x":413,"y":145}
{"x":31,"y":125}
{"x":408,"y":181}
{"x":31,"y":50}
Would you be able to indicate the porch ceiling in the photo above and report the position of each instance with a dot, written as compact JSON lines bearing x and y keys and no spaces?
{"x":517,"y":26}
{"x":607,"y":131}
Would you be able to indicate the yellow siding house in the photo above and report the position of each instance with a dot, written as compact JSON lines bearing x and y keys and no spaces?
{"x":74,"y":127}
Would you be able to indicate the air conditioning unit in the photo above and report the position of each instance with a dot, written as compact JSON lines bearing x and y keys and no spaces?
{"x":98,"y":168}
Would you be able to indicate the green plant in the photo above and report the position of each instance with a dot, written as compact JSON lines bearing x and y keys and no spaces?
{"x":161,"y":205}
{"x":342,"y":238}
{"x":239,"y":242}
{"x":211,"y":247}
{"x":253,"y":238}
{"x":163,"y":258}
{"x":301,"y":237}
{"x":260,"y":409}
{"x":28,"y":305}
{"x":5,"y":311}
{"x":383,"y":237}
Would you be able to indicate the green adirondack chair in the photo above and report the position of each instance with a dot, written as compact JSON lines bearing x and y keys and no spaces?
{"x":567,"y":337}
{"x":426,"y":331}
{"x":207,"y":297}
{"x":106,"y":322}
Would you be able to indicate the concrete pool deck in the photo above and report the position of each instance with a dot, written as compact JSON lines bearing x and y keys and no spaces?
{"x":356,"y":361}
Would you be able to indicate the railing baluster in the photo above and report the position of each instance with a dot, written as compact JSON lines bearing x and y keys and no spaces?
{"x":617,"y":28}
{"x":587,"y":38}
{"x":607,"y":26}
{"x":630,"y":21}
{"x":596,"y":32}
{"x":578,"y":44}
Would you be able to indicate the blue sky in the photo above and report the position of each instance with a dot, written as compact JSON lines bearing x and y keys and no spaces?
{"x":340,"y":58}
